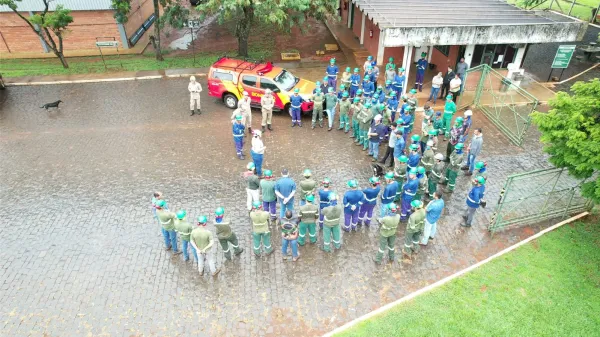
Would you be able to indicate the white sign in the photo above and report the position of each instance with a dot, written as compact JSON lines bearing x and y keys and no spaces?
{"x":112,"y":44}
{"x":193,"y":23}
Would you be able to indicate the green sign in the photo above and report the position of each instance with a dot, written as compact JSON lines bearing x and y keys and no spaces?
{"x":563,"y":56}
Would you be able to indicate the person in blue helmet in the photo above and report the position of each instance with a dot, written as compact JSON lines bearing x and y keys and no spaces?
{"x":332,"y":72}
{"x":296,"y":108}
{"x":369,"y":202}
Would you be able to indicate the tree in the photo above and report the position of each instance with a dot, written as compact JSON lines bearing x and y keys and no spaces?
{"x":47,"y":25}
{"x":571,"y":134}
{"x":283,"y":13}
{"x":173,"y":13}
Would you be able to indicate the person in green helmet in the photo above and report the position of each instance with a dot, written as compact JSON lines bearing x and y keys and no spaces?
{"x":481,"y":170}
{"x":269,"y":198}
{"x":474,"y":200}
{"x":414,"y":229}
{"x":226,"y":235}
{"x":308,"y":186}
{"x":390,"y":71}
{"x":355,"y":109}
{"x":455,"y":135}
{"x":331,"y":102}
{"x":449,"y":111}
{"x":433,"y":133}
{"x":184,"y":229}
{"x":426,"y":128}
{"x":452,"y":170}
{"x":412,"y":100}
{"x":203,"y":243}
{"x":364,"y":119}
{"x":167,"y":221}
{"x":423,"y":183}
{"x":260,"y":229}
{"x":308,"y":215}
{"x":438,"y":124}
{"x":346,"y":81}
{"x":289,"y":236}
{"x":360,"y":95}
{"x":325,"y":84}
{"x":331,"y":223}
{"x":400,"y":175}
{"x":319,"y":100}
{"x":354,"y":82}
{"x":427,"y":158}
{"x":252,"y":189}
{"x":387,"y":233}
{"x":344,"y":110}
{"x":436,"y":174}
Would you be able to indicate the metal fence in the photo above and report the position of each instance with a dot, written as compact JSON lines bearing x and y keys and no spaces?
{"x":505,"y":104}
{"x":535,"y":196}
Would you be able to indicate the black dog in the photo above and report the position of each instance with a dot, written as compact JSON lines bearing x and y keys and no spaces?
{"x":378,"y":170}
{"x":51,"y":105}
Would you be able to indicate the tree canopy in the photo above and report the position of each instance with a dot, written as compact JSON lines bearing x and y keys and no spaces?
{"x":571,"y":134}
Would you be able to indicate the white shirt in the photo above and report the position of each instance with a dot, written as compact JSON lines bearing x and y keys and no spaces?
{"x":393,"y":137}
{"x":437,"y":81}
{"x":367,"y":65}
{"x":257,"y":145}
{"x":244,"y":105}
{"x":455,"y":85}
{"x":195,"y":89}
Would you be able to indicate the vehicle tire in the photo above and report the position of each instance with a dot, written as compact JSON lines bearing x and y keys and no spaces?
{"x":230,"y":101}
{"x":287,"y":109}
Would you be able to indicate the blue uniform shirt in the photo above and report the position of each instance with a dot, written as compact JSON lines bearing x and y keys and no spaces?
{"x":341,"y":93}
{"x":475,"y":196}
{"x":285,"y":186}
{"x":380,"y":130}
{"x":399,"y":82}
{"x":404,"y":105}
{"x":371,"y":194}
{"x":392,"y":104}
{"x":389,"y":193}
{"x":355,"y":80}
{"x":352,"y":198}
{"x":332,"y":70}
{"x":399,"y":146}
{"x":238,"y":132}
{"x":410,"y":189}
{"x":296,"y":101}
{"x":381,"y":98}
{"x":434,"y":210}
{"x":324,"y":198}
{"x":421,"y":65}
{"x":413,"y":160}
{"x":368,"y":88}
{"x":407,"y":121}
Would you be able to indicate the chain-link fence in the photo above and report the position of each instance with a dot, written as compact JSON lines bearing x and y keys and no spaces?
{"x":504,"y":101}
{"x":536,"y":196}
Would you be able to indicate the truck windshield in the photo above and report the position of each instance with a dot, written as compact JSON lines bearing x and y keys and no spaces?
{"x":286,"y":80}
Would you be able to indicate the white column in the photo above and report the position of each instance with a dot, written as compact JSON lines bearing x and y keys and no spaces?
{"x":380,"y":48}
{"x":362,"y":28}
{"x":519,"y":56}
{"x":429,"y":52}
{"x":408,"y":51}
{"x":469,"y":54}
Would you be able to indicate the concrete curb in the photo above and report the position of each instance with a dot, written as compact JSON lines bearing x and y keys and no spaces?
{"x":99,"y":80}
{"x":450,"y":278}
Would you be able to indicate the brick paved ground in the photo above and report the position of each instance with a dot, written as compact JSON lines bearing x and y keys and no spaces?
{"x":81,"y":254}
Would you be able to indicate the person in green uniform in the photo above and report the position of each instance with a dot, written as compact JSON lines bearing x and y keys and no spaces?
{"x":331,"y":227}
{"x":438,"y":123}
{"x":423,"y":184}
{"x":202,"y":241}
{"x":331,"y":101}
{"x":386,"y":115}
{"x":252,"y":189}
{"x":318,"y":98}
{"x":436,"y":174}
{"x":387,"y":234}
{"x":452,"y":170}
{"x":364,"y":119}
{"x":449,"y":111}
{"x":412,"y":99}
{"x":267,"y":186}
{"x":427,"y":158}
{"x":307,"y":186}
{"x":184,"y":229}
{"x":308,"y":215}
{"x":226,"y":235}
{"x":344,"y":110}
{"x":414,"y":229}
{"x":260,"y":229}
{"x":167,"y":221}
{"x":355,"y":108}
{"x":400,"y":175}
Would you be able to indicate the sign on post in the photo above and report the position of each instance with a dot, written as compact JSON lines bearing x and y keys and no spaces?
{"x":563,"y":56}
{"x":193,"y":24}
{"x":112,"y":44}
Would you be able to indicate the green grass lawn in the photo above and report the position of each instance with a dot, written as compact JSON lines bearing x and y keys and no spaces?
{"x":550,"y":287}
{"x":581,"y":10}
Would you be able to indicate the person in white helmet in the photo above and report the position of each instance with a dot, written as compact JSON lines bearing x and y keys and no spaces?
{"x":244,"y":106}
{"x":267,"y":101}
{"x":195,"y":89}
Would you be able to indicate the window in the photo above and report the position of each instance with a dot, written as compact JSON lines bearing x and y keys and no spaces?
{"x":222,"y":76}
{"x":443,"y":49}
{"x":249,"y":81}
{"x":266,"y":83}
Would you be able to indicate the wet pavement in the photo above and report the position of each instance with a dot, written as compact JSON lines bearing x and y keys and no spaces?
{"x":82,"y":255}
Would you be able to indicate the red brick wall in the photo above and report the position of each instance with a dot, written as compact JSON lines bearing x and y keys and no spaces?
{"x":396,"y":52}
{"x":442,"y":61}
{"x":86,"y":26}
{"x":371,"y":43}
{"x":357,"y":23}
{"x":346,"y":11}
